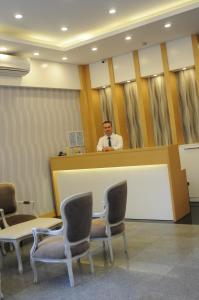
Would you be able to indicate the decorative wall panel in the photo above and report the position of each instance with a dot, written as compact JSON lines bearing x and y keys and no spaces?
{"x":34,"y":126}
{"x":189,"y":105}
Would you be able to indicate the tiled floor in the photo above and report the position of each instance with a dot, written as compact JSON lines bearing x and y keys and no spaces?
{"x":163,"y":264}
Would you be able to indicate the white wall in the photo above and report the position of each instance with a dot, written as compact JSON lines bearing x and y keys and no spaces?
{"x":189,"y":157}
{"x":99,"y":74}
{"x":34,"y":126}
{"x":47,"y":75}
{"x":150,"y":61}
{"x":180,"y":53}
{"x":123,"y":68}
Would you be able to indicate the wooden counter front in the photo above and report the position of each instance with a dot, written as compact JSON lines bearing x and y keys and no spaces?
{"x":151,"y":156}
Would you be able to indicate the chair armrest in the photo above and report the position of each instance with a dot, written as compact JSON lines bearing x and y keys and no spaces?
{"x":41,"y":231}
{"x":2,"y":216}
{"x":47,"y":231}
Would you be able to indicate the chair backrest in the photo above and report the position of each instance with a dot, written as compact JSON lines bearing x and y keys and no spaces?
{"x":115,"y":202}
{"x":76,"y":213}
{"x":7,"y":198}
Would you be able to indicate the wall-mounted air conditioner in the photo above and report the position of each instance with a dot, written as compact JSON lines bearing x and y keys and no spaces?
{"x":11,"y":65}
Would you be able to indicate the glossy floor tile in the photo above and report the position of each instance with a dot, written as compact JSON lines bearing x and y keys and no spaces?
{"x":163,"y":264}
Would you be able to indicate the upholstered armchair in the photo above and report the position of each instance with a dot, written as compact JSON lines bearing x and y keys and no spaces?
{"x":110,"y":223}
{"x":69,"y":243}
{"x":8,"y":207}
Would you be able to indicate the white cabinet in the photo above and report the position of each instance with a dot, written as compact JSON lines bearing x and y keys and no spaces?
{"x":189,"y":156}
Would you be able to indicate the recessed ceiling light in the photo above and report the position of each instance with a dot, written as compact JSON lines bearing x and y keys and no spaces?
{"x":184,"y":69}
{"x":18,"y":16}
{"x":64,"y":58}
{"x":64,"y":28}
{"x":44,"y":66}
{"x":155,"y":75}
{"x":3,"y":56}
{"x":94,"y":49}
{"x":167,"y":25}
{"x":2,"y":49}
{"x":36,"y":53}
{"x":128,"y":38}
{"x":104,"y":87}
{"x":112,"y":11}
{"x":128,"y":81}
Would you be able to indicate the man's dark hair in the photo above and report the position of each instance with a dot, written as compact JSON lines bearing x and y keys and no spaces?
{"x":107,"y":122}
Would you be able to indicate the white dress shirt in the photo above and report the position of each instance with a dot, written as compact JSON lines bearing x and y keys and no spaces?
{"x":116,"y":142}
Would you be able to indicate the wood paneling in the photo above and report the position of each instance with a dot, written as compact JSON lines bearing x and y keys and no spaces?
{"x":173,"y":100}
{"x":195,"y":43}
{"x":90,"y":110}
{"x":144,"y":104}
{"x":119,"y":109}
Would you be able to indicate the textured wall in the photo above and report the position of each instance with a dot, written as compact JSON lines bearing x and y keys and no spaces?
{"x":34,"y":125}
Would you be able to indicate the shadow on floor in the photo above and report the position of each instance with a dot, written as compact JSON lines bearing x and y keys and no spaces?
{"x":193,"y":216}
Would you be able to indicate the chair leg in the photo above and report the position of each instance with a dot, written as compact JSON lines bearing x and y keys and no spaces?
{"x":33,"y":265}
{"x":110,"y":249}
{"x":18,"y":254}
{"x":104,"y":245}
{"x":79,"y":265}
{"x":70,"y":272}
{"x":1,"y":294}
{"x":3,"y":250}
{"x":125,"y":243}
{"x":91,"y":262}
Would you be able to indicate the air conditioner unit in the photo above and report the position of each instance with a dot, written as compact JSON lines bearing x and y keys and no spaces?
{"x":11,"y":65}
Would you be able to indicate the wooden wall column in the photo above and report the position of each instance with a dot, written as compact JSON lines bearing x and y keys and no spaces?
{"x":118,"y":103}
{"x":173,"y":99}
{"x":195,"y":43}
{"x":90,"y":110}
{"x":144,"y":104}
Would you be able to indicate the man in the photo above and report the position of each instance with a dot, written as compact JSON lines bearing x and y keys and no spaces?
{"x":110,"y":141}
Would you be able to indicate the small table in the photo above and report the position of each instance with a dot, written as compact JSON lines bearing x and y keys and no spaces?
{"x":19,"y":232}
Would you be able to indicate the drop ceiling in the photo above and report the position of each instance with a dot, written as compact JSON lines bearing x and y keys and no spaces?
{"x":90,"y":25}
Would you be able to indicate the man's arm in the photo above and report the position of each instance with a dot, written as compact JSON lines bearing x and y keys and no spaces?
{"x":100,"y":145}
{"x":119,"y":144}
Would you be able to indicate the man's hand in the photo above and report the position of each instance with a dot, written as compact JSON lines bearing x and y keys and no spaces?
{"x":108,"y":149}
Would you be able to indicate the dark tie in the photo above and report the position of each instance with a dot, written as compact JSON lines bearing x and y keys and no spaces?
{"x":109,"y":141}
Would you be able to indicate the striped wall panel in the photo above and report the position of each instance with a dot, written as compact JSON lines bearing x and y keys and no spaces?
{"x":34,"y":126}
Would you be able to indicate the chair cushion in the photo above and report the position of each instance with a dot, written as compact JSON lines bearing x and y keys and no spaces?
{"x":98,"y":229}
{"x":7,"y":198}
{"x":53,"y":248}
{"x":19,"y":218}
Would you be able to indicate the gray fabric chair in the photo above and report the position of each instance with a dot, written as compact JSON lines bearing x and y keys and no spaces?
{"x":69,"y":243}
{"x":110,"y":223}
{"x":8,"y":207}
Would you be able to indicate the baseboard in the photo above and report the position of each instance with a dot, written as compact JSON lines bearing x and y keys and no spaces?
{"x":50,"y":214}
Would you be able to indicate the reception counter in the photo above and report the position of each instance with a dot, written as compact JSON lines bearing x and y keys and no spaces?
{"x":157,"y":187}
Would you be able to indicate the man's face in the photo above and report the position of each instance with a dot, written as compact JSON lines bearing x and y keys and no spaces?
{"x":107,"y":129}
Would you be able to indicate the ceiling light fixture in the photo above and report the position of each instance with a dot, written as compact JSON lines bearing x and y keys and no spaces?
{"x":64,"y":58}
{"x":36,"y":53}
{"x":128,"y":81}
{"x":44,"y":66}
{"x":3,"y":56}
{"x":3,"y":49}
{"x":94,"y":49}
{"x":184,"y":69}
{"x":167,"y":25}
{"x":112,"y":11}
{"x":18,"y":16}
{"x":128,"y":38}
{"x":155,"y":75}
{"x":64,"y":28}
